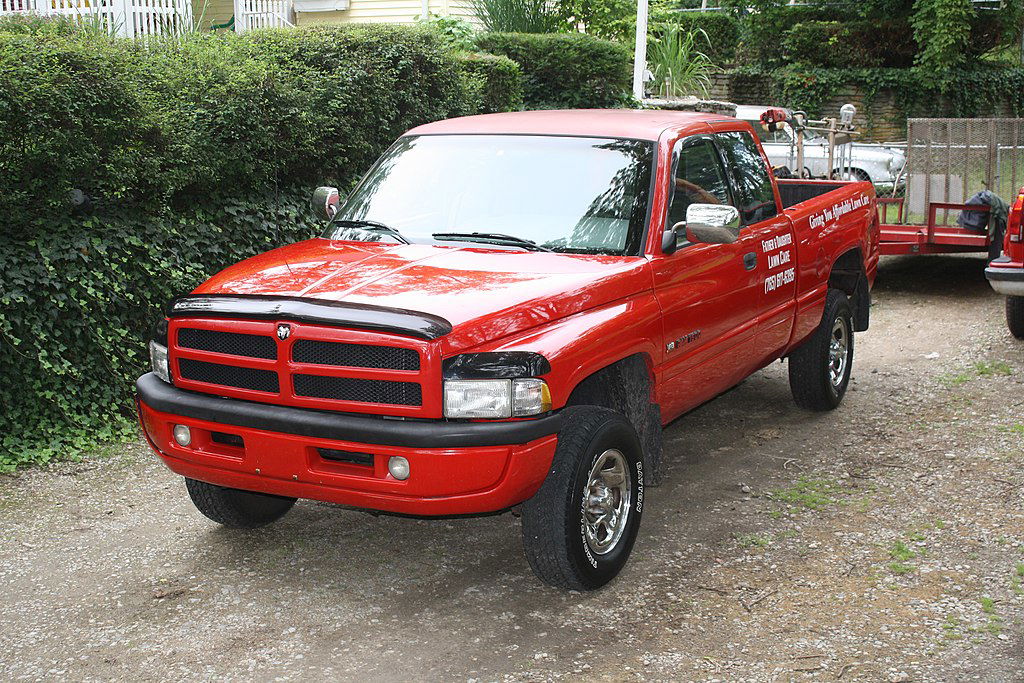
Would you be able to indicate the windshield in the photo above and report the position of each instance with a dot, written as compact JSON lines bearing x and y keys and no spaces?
{"x":568,"y":194}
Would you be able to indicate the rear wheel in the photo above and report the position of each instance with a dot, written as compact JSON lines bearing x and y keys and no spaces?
{"x":859,"y":175}
{"x":1015,"y":315}
{"x":236,"y":508}
{"x":579,"y":528}
{"x":819,"y":369}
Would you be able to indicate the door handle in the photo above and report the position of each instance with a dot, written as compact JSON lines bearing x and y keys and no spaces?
{"x":750,"y":260}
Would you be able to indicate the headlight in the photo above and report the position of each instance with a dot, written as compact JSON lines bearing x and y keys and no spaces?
{"x":495,"y":398}
{"x":158,"y":361}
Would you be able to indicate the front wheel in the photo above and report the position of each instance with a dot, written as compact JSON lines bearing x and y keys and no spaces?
{"x":819,"y":369}
{"x":1015,"y":315}
{"x":236,"y":508}
{"x":580,"y":526}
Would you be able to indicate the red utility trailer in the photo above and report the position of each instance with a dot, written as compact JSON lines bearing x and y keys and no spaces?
{"x":949,"y":161}
{"x":931,"y":238}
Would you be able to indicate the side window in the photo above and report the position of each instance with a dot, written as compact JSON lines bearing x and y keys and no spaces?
{"x":698,"y":179}
{"x":755,"y":198}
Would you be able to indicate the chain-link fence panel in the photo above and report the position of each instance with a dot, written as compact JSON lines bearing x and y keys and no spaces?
{"x":951,"y":160}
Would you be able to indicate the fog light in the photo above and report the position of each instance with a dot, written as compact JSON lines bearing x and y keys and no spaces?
{"x":398,"y":467}
{"x":182,"y":434}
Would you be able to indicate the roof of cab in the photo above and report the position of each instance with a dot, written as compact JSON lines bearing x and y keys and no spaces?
{"x":637,"y":124}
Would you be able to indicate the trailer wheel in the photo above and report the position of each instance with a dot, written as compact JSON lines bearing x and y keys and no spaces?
{"x":236,"y":508}
{"x":1015,"y":315}
{"x":580,"y":526}
{"x":819,"y":369}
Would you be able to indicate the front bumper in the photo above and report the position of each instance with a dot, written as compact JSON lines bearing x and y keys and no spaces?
{"x":1006,"y":280}
{"x":456,"y":467}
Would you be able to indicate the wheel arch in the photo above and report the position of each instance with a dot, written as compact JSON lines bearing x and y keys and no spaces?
{"x":848,"y":276}
{"x":627,"y":386}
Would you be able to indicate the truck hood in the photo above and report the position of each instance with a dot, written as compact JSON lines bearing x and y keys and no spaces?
{"x":484,"y":293}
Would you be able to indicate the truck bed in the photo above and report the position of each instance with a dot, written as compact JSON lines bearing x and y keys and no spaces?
{"x":794,"y":191}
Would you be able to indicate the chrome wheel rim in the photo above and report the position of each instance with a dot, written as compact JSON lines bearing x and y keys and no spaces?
{"x":606,"y":502}
{"x":838,"y":351}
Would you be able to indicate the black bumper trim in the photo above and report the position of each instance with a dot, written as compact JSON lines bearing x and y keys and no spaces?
{"x":317,"y":424}
{"x":317,"y":311}
{"x":1005,"y":274}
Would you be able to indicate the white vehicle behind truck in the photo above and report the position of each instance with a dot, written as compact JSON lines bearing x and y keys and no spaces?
{"x":878,"y":164}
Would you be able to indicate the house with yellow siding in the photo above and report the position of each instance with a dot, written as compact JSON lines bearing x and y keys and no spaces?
{"x":221,"y":14}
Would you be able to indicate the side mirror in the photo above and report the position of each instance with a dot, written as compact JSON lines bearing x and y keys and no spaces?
{"x":712,"y":223}
{"x":669,"y":243}
{"x":325,"y":202}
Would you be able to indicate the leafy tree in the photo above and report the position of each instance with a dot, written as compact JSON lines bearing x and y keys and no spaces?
{"x":942,"y":29}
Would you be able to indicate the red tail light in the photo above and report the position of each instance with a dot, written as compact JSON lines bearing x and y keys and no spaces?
{"x":1014,"y":224}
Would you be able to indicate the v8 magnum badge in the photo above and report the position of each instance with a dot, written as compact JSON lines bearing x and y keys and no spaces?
{"x":284,"y":331}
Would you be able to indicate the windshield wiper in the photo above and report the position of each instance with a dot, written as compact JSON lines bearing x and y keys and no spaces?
{"x":371,"y":226}
{"x":492,"y":238}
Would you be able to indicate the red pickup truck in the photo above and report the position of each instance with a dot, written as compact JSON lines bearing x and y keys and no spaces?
{"x":505,"y":311}
{"x":1006,"y":272}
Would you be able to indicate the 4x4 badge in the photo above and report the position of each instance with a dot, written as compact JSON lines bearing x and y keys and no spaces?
{"x":283,"y":331}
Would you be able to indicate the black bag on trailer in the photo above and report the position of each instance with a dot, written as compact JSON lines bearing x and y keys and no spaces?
{"x":993,"y":221}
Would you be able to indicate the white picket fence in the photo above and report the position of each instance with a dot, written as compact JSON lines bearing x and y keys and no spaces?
{"x":134,"y":18}
{"x":250,"y":14}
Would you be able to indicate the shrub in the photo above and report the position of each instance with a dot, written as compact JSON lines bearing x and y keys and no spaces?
{"x":616,"y":20}
{"x":193,"y":154}
{"x":721,"y":28}
{"x":498,"y":82}
{"x":760,"y":32}
{"x":850,"y":44}
{"x":566,"y":70}
{"x":517,"y":16}
{"x":678,"y":64}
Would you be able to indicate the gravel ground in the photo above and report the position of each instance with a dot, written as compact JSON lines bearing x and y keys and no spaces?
{"x":884,"y":541}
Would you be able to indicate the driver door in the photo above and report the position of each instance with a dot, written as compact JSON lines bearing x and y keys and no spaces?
{"x":708,"y":296}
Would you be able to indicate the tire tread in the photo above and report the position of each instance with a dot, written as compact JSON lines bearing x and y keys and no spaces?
{"x":808,"y":381}
{"x":224,"y":505}
{"x":546,"y":536}
{"x":1015,"y":315}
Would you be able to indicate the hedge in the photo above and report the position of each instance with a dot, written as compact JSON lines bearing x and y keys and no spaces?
{"x":566,"y":70}
{"x":850,"y":44}
{"x":170,"y":122}
{"x":191,"y":155}
{"x":494,"y":81}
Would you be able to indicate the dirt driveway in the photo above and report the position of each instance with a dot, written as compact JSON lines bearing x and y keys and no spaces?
{"x":884,"y":541}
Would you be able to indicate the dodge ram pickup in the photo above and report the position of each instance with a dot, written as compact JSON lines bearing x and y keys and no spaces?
{"x":1006,"y":272}
{"x":505,"y":312}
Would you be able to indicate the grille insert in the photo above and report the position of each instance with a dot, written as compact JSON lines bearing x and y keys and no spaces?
{"x":355,"y":355}
{"x":227,"y":439}
{"x":349,"y":457}
{"x":228,"y":375}
{"x":232,"y":343}
{"x":359,"y":390}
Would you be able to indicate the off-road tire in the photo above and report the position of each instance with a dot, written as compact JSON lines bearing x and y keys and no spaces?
{"x":810,"y":365}
{"x":236,"y":508}
{"x":1015,"y":315}
{"x":554,"y":522}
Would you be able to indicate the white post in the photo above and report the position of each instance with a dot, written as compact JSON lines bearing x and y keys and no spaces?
{"x":640,"y":53}
{"x":240,"y":17}
{"x":121,"y":16}
{"x":425,"y":10}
